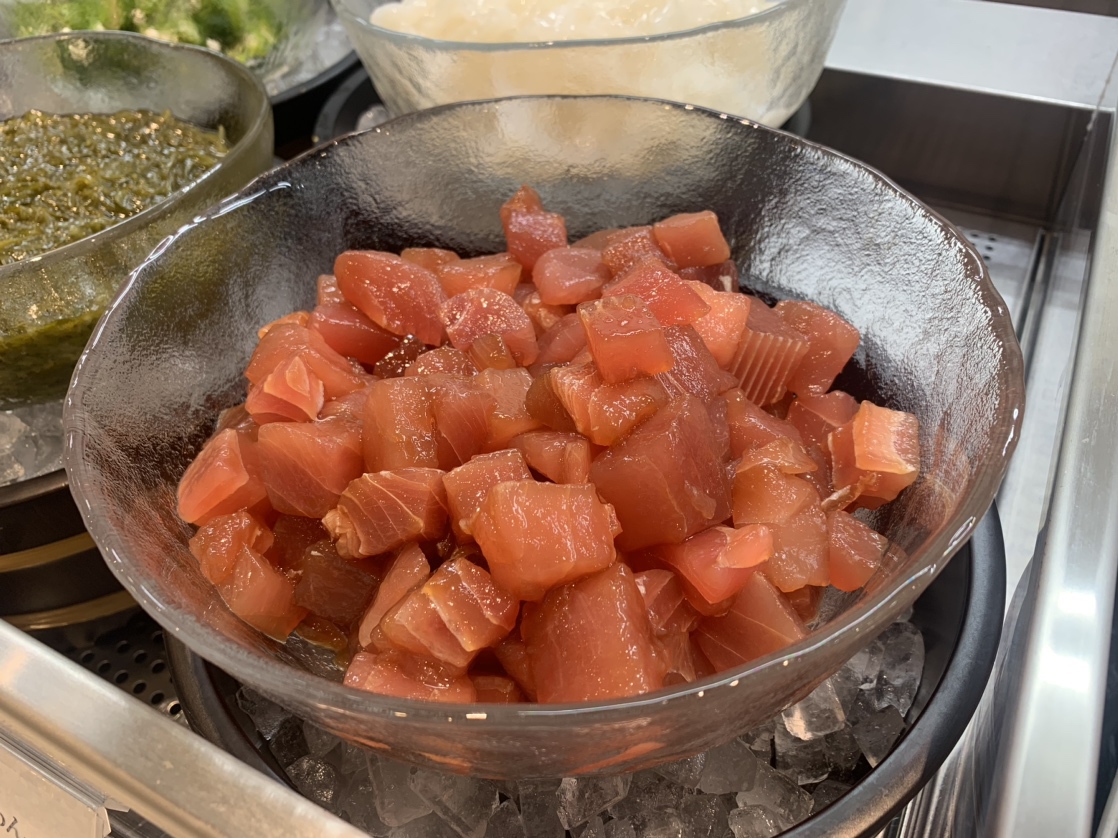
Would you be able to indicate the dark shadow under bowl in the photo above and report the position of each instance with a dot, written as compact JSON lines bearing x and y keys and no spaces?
{"x":803,"y":222}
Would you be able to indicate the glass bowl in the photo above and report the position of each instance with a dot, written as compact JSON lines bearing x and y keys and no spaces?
{"x":761,"y":66}
{"x":802,"y":221}
{"x":50,"y":303}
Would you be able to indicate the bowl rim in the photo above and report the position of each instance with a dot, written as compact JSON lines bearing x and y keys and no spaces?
{"x":259,"y":120}
{"x":344,"y":11}
{"x":294,"y":686}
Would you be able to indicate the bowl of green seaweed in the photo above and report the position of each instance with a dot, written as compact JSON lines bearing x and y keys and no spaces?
{"x":109,"y":142}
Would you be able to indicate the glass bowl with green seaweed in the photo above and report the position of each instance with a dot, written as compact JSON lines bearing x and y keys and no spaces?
{"x":51,"y":300}
{"x":283,"y":42}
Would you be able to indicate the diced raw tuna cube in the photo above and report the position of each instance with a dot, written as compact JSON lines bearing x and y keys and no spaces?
{"x":615,"y":409}
{"x":350,"y":333}
{"x":692,"y":240}
{"x":414,"y":625}
{"x":496,"y":689}
{"x":396,"y":362}
{"x":224,"y":478}
{"x":800,"y":548}
{"x":476,"y":610}
{"x":499,"y":271}
{"x":331,"y":587}
{"x":307,"y":465}
{"x":293,"y":535}
{"x":714,"y":564}
{"x":769,"y":355}
{"x":591,"y":640}
{"x":296,"y":318}
{"x":624,"y":338}
{"x":560,"y":457}
{"x":570,"y":275}
{"x":512,"y":652}
{"x":397,"y":295}
{"x":723,"y":277}
{"x":467,"y":486}
{"x":428,"y":257}
{"x":671,"y":300}
{"x":765,"y":495}
{"x":815,"y":416}
{"x":510,"y":389}
{"x":624,"y":248}
{"x":337,"y":374}
{"x":665,"y":479}
{"x":751,"y":427}
{"x":695,"y":371}
{"x":682,"y":659}
{"x":350,"y":406}
{"x":462,"y":409}
{"x":543,"y":403}
{"x":783,"y":453}
{"x":854,"y":551}
{"x":380,"y":512}
{"x":446,"y":360}
{"x":402,"y":675}
{"x":563,"y":341}
{"x":218,"y":542}
{"x":878,"y":451}
{"x":760,"y":621}
{"x":408,"y":569}
{"x":668,"y":610}
{"x":539,"y":535}
{"x":290,"y":393}
{"x":530,"y":230}
{"x":574,"y":385}
{"x":831,"y":344}
{"x":722,"y":327}
{"x":400,"y":425}
{"x":543,"y":315}
{"x":490,"y":352}
{"x":481,"y":311}
{"x":261,"y":595}
{"x":328,"y":291}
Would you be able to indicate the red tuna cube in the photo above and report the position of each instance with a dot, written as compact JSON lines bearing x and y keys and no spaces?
{"x":692,"y":239}
{"x":671,"y":300}
{"x":695,"y":371}
{"x":854,"y":551}
{"x":218,"y":542}
{"x":499,"y":271}
{"x":307,"y":465}
{"x":624,"y":338}
{"x":224,"y":478}
{"x":350,"y":333}
{"x":478,"y":612}
{"x":569,"y":275}
{"x":261,"y":595}
{"x":401,"y":675}
{"x":482,"y":311}
{"x":467,"y":486}
{"x":760,"y":621}
{"x":408,"y":570}
{"x":399,"y":429}
{"x":397,"y":295}
{"x":877,"y":452}
{"x":380,"y":512}
{"x":831,"y":344}
{"x":290,"y":393}
{"x":723,"y":326}
{"x":428,"y":257}
{"x":714,"y":564}
{"x":558,"y":456}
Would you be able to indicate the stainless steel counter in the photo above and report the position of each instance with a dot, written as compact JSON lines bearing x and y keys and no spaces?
{"x":1002,"y":117}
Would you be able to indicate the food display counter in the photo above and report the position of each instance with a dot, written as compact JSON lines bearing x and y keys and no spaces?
{"x":1001,"y":117}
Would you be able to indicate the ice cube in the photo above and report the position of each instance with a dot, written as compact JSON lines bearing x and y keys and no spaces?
{"x":538,"y":802}
{"x":754,"y":822}
{"x":902,"y":667}
{"x":506,"y":822}
{"x":876,"y":730}
{"x":582,"y":798}
{"x":315,"y":779}
{"x":784,"y":798}
{"x":827,"y":793}
{"x":817,"y":715}
{"x":659,"y":823}
{"x":648,"y":790}
{"x":287,"y":743}
{"x":620,"y":828}
{"x":30,"y":441}
{"x":352,"y":758}
{"x":843,"y":752}
{"x":266,"y":715}
{"x":396,"y":803}
{"x":858,"y":674}
{"x":705,"y":816}
{"x":760,"y":741}
{"x":804,"y":761}
{"x":356,"y":804}
{"x":729,"y":768}
{"x":319,"y":742}
{"x":685,"y":772}
{"x":463,"y":802}
{"x":429,"y":826}
{"x":595,"y":828}
{"x":17,"y":451}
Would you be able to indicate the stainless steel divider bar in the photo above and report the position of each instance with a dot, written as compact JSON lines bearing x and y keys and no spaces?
{"x":132,"y":754}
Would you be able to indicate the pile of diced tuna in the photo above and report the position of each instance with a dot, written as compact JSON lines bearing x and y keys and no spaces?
{"x":562,"y":473}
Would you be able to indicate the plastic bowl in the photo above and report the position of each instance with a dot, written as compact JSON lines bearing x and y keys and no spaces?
{"x":761,"y":66}
{"x":65,"y":290}
{"x":803,"y":221}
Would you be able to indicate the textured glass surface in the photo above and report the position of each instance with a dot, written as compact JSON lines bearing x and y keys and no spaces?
{"x":803,"y":222}
{"x":103,"y":73}
{"x":761,"y":67}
